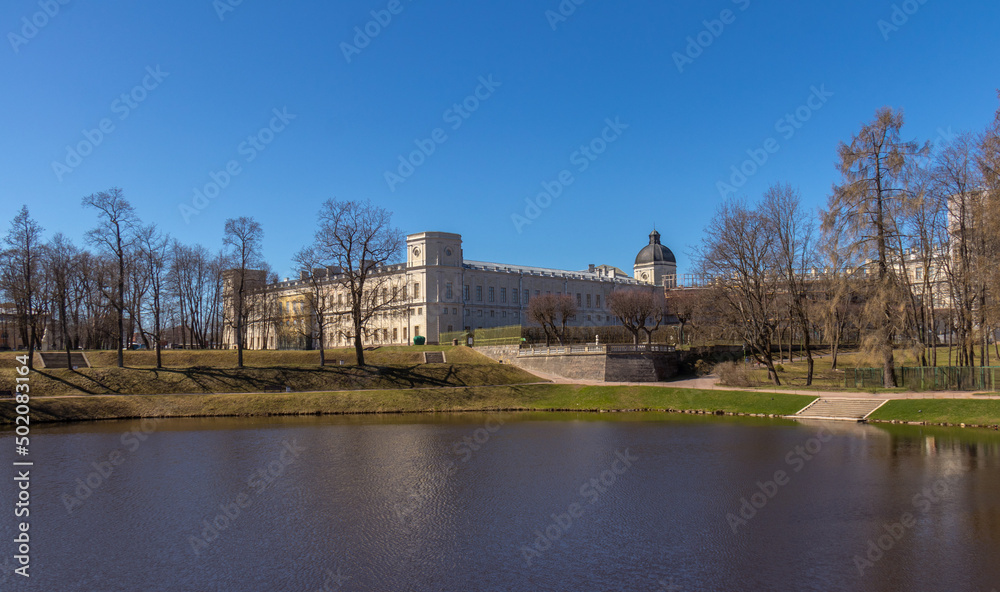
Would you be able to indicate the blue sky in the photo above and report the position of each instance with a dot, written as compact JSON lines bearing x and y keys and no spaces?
{"x":215,"y":75}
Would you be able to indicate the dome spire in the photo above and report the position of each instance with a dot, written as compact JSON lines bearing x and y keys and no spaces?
{"x":654,"y":237}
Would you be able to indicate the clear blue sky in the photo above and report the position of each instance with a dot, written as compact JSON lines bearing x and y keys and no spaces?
{"x":353,"y":119}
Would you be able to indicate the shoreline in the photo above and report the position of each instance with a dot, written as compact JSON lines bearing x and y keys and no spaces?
{"x":540,"y":397}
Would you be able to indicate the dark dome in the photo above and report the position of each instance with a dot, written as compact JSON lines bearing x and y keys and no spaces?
{"x":654,"y":252}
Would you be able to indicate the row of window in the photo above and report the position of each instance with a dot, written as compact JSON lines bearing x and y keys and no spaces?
{"x":592,"y":300}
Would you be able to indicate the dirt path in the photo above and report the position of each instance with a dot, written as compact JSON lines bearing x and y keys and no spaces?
{"x":711,"y":383}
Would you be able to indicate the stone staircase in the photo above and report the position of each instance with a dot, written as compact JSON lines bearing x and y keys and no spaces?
{"x":54,"y":359}
{"x":434,"y":357}
{"x":843,"y":409}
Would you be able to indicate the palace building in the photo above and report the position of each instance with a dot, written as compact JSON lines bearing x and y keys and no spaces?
{"x":442,"y":292}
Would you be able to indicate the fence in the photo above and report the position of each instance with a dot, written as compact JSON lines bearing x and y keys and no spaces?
{"x":594,"y":349}
{"x":509,"y":335}
{"x":929,"y":378}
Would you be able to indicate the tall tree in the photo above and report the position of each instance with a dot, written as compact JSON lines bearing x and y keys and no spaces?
{"x":319,"y":298}
{"x":154,"y":250}
{"x":62,"y":262}
{"x":358,"y":237}
{"x":794,"y":257}
{"x":867,"y":206}
{"x":738,"y":250}
{"x":22,"y":277}
{"x":243,"y":238}
{"x":115,"y":235}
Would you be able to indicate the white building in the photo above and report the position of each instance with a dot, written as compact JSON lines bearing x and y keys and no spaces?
{"x":444,"y":292}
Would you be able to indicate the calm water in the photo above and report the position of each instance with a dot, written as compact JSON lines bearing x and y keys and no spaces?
{"x":643,"y":502}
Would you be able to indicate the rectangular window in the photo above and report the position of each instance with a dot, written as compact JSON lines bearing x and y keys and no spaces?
{"x":513,"y":296}
{"x":505,"y":314}
{"x":445,"y":311}
{"x":416,"y":330}
{"x":503,"y":295}
{"x":404,"y":293}
{"x":395,"y":334}
{"x":517,"y":315}
{"x":479,"y":293}
{"x":525,"y":298}
{"x":588,"y":300}
{"x":479,"y":313}
{"x":416,"y":291}
{"x":420,"y":311}
{"x":406,"y":334}
{"x":492,"y":295}
{"x":447,"y":291}
{"x":598,"y":301}
{"x":579,"y":299}
{"x":454,"y":311}
{"x":492,"y":313}
{"x":450,"y":328}
{"x":465,"y":293}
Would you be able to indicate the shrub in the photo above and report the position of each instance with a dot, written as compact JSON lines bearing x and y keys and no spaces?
{"x":779,"y":368}
{"x":735,"y":374}
{"x":702,"y":368}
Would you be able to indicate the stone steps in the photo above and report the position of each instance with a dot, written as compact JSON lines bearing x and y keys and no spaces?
{"x":836,"y":408}
{"x":54,"y":359}
{"x":434,"y":357}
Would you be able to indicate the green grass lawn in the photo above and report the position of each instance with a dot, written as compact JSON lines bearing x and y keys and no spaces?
{"x":968,"y":411}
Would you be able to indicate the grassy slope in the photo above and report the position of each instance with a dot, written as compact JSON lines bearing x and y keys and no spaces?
{"x":529,"y":397}
{"x":215,"y":372}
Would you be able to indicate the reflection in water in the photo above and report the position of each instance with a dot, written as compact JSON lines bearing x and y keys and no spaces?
{"x":451,"y":502}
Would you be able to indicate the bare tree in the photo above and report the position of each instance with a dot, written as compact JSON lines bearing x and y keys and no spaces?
{"x":738,"y":252}
{"x":115,"y":234}
{"x":319,"y":298}
{"x":794,"y":257}
{"x":154,"y":262}
{"x":639,"y":311}
{"x":243,"y":237}
{"x":358,"y":237}
{"x":21,"y":276}
{"x":61,"y":265}
{"x":552,"y":312}
{"x":867,"y":206}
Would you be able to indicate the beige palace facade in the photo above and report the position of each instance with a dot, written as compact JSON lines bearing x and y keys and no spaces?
{"x":444,"y":292}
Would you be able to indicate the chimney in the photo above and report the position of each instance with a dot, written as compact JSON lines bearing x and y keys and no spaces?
{"x":591,"y":269}
{"x":303,"y":275}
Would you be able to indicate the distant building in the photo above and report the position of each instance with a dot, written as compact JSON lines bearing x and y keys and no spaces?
{"x":443,"y":292}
